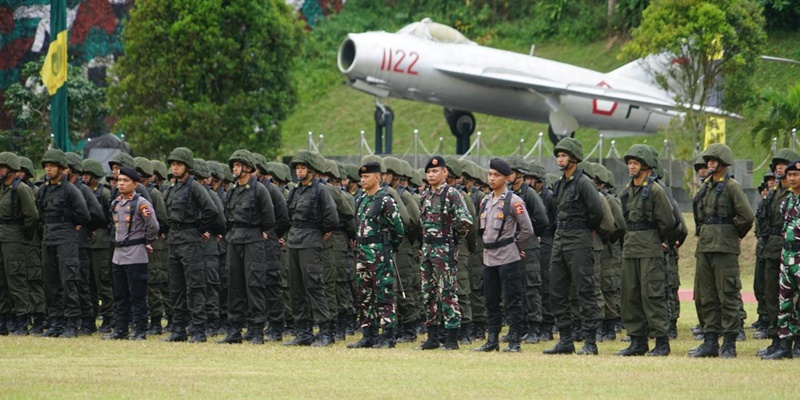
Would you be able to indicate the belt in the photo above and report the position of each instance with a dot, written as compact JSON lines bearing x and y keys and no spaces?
{"x":180,"y":226}
{"x":55,"y":220}
{"x":129,"y":243}
{"x":792,"y":246}
{"x":642,"y":226}
{"x":435,"y":240}
{"x":305,"y":225}
{"x":370,"y":240}
{"x":498,"y":244}
{"x":718,"y":221}
{"x":11,"y":221}
{"x":242,"y":225}
{"x":571,"y":225}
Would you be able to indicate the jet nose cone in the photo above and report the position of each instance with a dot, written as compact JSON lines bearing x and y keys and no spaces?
{"x":347,"y":55}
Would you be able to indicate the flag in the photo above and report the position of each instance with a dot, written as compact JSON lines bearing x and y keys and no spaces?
{"x":715,"y":130}
{"x":54,"y":73}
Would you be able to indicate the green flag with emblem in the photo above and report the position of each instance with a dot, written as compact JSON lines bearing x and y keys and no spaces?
{"x":54,"y":73}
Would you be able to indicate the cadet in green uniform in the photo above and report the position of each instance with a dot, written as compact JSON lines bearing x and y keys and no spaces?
{"x":313,"y":217}
{"x":19,"y":220}
{"x":218,"y":178}
{"x":774,"y":221}
{"x":158,"y":258}
{"x":161,"y":182}
{"x":726,"y":217}
{"x":34,"y":256}
{"x":649,"y":221}
{"x":538,"y":181}
{"x":64,"y":214}
{"x":572,"y":260}
{"x":762,"y":231}
{"x":701,"y":171}
{"x":100,"y":282}
{"x":472,"y":176}
{"x":191,"y":215}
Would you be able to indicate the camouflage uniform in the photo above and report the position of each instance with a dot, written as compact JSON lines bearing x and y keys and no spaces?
{"x":790,"y":270}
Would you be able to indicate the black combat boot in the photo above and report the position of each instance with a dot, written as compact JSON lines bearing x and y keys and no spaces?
{"x":451,"y":340}
{"x":21,"y":325}
{"x":120,"y":332}
{"x":178,"y":334}
{"x":577,"y":330}
{"x":601,"y":331}
{"x":386,"y":340}
{"x":367,"y":340}
{"x":275,"y":331}
{"x":662,"y":347}
{"x":258,"y":334}
{"x":638,"y":347}
{"x":170,"y":325}
{"x":38,"y":324}
{"x":432,"y":342}
{"x":532,"y":337}
{"x":106,"y":326}
{"x":4,"y":318}
{"x":326,"y":337}
{"x":56,"y":327}
{"x":289,"y":328}
{"x":479,"y":331}
{"x":782,"y":351}
{"x":70,"y":328}
{"x":464,"y":334}
{"x":212,"y":327}
{"x":672,"y":332}
{"x":761,"y":334}
{"x":492,"y":343}
{"x":198,"y":334}
{"x":513,"y":343}
{"x":408,"y":333}
{"x":304,"y":335}
{"x":728,"y":349}
{"x":709,"y":348}
{"x":590,"y":344}
{"x":87,"y":326}
{"x":341,"y":325}
{"x":741,"y":336}
{"x":776,"y":342}
{"x":565,"y":344}
{"x":234,"y":336}
{"x":796,"y":349}
{"x":546,"y":333}
{"x":610,"y":333}
{"x":350,"y":324}
{"x":139,"y":330}
{"x":155,"y":326}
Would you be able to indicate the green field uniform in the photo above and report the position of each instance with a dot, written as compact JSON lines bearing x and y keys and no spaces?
{"x":102,"y":295}
{"x":157,"y":263}
{"x":771,"y":252}
{"x":334,"y":258}
{"x":407,"y":258}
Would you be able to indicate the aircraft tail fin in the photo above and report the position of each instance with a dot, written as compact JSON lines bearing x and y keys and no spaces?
{"x":645,"y":70}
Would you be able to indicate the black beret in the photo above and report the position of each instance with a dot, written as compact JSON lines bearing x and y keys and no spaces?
{"x":793,"y":166}
{"x":435,"y":162}
{"x":130,"y":173}
{"x":369,"y":168}
{"x":500,"y":166}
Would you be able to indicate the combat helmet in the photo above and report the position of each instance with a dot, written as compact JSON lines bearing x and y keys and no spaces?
{"x":144,"y":166}
{"x":641,"y":153}
{"x":259,"y":162}
{"x":311,"y":159}
{"x":699,"y":162}
{"x":570,"y":146}
{"x":182,"y":155}
{"x":395,"y":166}
{"x":243,"y":156}
{"x":93,"y":168}
{"x":27,"y":165}
{"x":10,"y":160}
{"x":720,"y":152}
{"x":55,"y":156}
{"x":784,"y":156}
{"x":160,"y":169}
{"x":122,"y":159}
{"x":536,"y":170}
{"x":517,"y":163}
{"x":276,"y":170}
{"x":200,"y":168}
{"x":453,"y":165}
{"x":332,"y":169}
{"x":375,"y":159}
{"x":352,"y":172}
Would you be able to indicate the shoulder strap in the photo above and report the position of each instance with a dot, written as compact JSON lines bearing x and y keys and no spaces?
{"x":376,"y":207}
{"x":506,"y":210}
{"x":13,"y":194}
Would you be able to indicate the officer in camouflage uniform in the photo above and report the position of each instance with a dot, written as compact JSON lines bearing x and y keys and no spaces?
{"x":34,"y":256}
{"x":772,"y":251}
{"x":99,"y":221}
{"x":313,"y":217}
{"x":726,"y":217}
{"x":192,"y":218}
{"x":531,"y":265}
{"x":379,"y":233}
{"x":572,"y":261}
{"x":64,"y":213}
{"x":471,"y":192}
{"x":789,"y":284}
{"x":538,"y":181}
{"x":158,"y":259}
{"x":445,"y":221}
{"x":408,"y":306}
{"x":19,"y":220}
{"x":100,"y":282}
{"x":649,"y":222}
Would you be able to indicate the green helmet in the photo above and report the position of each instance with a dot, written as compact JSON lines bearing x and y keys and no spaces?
{"x":374,"y":158}
{"x":470,"y":169}
{"x":287,"y":173}
{"x":784,"y":156}
{"x":395,"y":166}
{"x":536,"y":170}
{"x":342,"y":170}
{"x":160,"y":169}
{"x":642,"y":153}
{"x":517,"y":163}
{"x":74,"y":162}
{"x":699,"y":162}
{"x":181,"y":155}
{"x":225,"y":173}
{"x":200,"y":168}
{"x":216,"y":169}
{"x":719,"y":152}
{"x":259,"y":162}
{"x":416,"y":179}
{"x":144,"y":166}
{"x":55,"y":156}
{"x":768,"y":175}
{"x":605,"y":175}
{"x":453,"y":165}
{"x":122,"y":159}
{"x":10,"y":160}
{"x":588,"y":169}
{"x":570,"y":146}
{"x":352,"y":172}
{"x":312,"y":159}
{"x":276,"y":170}
{"x":243,"y":156}
{"x":332,"y":169}
{"x":27,"y":165}
{"x":93,"y":168}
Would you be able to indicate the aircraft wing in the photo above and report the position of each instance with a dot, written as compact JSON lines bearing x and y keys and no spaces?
{"x":501,"y":77}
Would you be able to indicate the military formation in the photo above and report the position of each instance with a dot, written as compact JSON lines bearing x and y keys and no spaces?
{"x":243,"y":251}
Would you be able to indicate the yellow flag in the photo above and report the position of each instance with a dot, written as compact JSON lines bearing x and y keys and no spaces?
{"x":715,"y":130}
{"x":54,"y":70}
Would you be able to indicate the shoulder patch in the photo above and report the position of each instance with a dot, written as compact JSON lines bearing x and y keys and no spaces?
{"x":519,"y":207}
{"x":144,"y":210}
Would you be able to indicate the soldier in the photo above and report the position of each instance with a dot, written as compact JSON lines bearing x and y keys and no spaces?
{"x":99,"y":221}
{"x":34,"y":256}
{"x":649,"y":222}
{"x":538,"y":182}
{"x":217,"y":185}
{"x":192,"y":218}
{"x":773,"y":229}
{"x":19,"y":220}
{"x":250,"y":219}
{"x":100,"y":282}
{"x":572,"y":261}
{"x":64,"y":214}
{"x":379,"y":233}
{"x":701,"y":171}
{"x":135,"y":228}
{"x":158,"y":258}
{"x":160,"y":174}
{"x":504,"y":242}
{"x":280,"y":176}
{"x":353,"y":186}
{"x":313,"y":217}
{"x":531,"y":266}
{"x":762,"y":231}
{"x":445,"y":221}
{"x":472,"y":177}
{"x":789,"y":270}
{"x":726,"y":217}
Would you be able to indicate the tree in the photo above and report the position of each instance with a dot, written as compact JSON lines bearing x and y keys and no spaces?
{"x":783,"y":116}
{"x":210,"y":75}
{"x":701,"y":41}
{"x":29,"y":105}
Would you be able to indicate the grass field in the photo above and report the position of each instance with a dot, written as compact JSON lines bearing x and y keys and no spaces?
{"x":88,"y":367}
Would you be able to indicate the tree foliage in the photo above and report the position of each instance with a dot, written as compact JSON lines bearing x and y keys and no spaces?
{"x":782,"y":116}
{"x":210,"y":75}
{"x":29,"y":105}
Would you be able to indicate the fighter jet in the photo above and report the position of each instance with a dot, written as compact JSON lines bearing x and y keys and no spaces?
{"x":434,"y":63}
